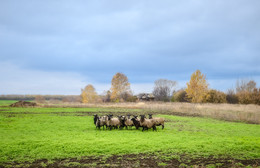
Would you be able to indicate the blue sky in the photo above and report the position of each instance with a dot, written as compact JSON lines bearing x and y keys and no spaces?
{"x":58,"y":47}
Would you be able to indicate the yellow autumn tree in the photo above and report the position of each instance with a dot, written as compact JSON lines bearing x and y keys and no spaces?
{"x":197,"y":87}
{"x":120,"y":87}
{"x":88,"y":94}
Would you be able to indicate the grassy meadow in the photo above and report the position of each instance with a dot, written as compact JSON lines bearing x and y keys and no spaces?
{"x":65,"y":137}
{"x":230,"y":112}
{"x":6,"y":102}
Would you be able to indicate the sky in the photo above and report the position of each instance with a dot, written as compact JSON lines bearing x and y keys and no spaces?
{"x":60,"y":46}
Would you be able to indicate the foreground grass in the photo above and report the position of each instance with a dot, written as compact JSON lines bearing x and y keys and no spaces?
{"x":50,"y":135}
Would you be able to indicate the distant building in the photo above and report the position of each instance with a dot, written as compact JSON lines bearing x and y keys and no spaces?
{"x":145,"y":97}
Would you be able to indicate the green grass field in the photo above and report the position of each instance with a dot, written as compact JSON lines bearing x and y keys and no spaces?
{"x":6,"y":102}
{"x":30,"y":134}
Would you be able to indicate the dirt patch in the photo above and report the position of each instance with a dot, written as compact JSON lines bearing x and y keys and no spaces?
{"x":138,"y":160}
{"x":23,"y":104}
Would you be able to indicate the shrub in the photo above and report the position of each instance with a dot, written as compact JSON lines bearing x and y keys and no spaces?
{"x":232,"y":97}
{"x":247,"y":92}
{"x":180,"y":96}
{"x":256,"y":96}
{"x":214,"y":96}
{"x":131,"y":99}
{"x":244,"y":97}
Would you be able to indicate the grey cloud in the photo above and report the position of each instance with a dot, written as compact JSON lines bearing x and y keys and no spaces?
{"x":146,"y":40}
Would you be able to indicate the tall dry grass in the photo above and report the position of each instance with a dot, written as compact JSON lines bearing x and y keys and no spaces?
{"x":231,"y":112}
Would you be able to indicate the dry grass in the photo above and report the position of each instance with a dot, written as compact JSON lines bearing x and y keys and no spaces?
{"x":231,"y":112}
{"x":245,"y":113}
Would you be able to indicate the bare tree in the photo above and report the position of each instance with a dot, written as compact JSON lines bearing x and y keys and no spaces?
{"x":163,"y":88}
{"x":245,"y":85}
{"x":106,"y":96}
{"x":251,"y":85}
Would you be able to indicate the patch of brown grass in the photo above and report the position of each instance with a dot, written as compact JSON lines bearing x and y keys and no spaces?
{"x":231,"y":112}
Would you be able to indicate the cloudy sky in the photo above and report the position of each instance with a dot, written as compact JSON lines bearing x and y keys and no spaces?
{"x":58,"y":47}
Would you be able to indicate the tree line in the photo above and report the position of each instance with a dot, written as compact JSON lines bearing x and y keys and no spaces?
{"x":42,"y":98}
{"x":196,"y":91}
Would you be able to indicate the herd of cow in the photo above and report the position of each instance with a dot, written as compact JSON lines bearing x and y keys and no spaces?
{"x":121,"y":122}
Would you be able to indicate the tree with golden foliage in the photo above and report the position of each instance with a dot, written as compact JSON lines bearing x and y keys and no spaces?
{"x":88,"y":94}
{"x":119,"y":86}
{"x":197,"y":87}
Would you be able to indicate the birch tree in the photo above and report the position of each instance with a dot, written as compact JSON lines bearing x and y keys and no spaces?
{"x":119,"y":86}
{"x":197,"y":87}
{"x":88,"y":94}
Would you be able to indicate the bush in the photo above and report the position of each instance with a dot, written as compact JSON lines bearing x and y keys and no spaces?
{"x":244,"y":97}
{"x":249,"y":97}
{"x":232,"y":98}
{"x":131,"y":99}
{"x":180,"y":96}
{"x":247,"y":92}
{"x":214,"y":96}
{"x":256,"y":96}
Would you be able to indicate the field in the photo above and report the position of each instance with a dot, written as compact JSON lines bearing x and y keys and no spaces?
{"x":67,"y":137}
